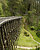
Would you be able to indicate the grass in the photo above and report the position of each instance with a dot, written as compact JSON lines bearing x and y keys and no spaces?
{"x":26,"y":41}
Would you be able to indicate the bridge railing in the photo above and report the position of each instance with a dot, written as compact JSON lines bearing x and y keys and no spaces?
{"x":9,"y":32}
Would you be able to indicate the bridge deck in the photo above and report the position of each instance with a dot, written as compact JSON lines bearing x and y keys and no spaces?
{"x":5,"y":19}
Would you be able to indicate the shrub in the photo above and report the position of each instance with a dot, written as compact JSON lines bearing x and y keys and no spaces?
{"x":26,"y":34}
{"x":38,"y":33}
{"x":32,"y":28}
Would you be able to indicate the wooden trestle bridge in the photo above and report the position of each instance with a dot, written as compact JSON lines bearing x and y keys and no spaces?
{"x":9,"y":32}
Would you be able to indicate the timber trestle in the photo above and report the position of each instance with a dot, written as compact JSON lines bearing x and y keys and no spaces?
{"x":9,"y":32}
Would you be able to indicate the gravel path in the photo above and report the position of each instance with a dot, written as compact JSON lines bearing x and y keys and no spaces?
{"x":26,"y":47}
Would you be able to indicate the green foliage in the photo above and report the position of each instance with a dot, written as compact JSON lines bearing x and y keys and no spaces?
{"x":26,"y":34}
{"x":34,"y":34}
{"x":32,"y":12}
{"x":38,"y":48}
{"x":32,"y":28}
{"x":18,"y":7}
{"x":4,"y":10}
{"x":1,"y":10}
{"x":38,"y":33}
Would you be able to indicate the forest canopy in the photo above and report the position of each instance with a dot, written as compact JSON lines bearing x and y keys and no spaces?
{"x":17,"y":7}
